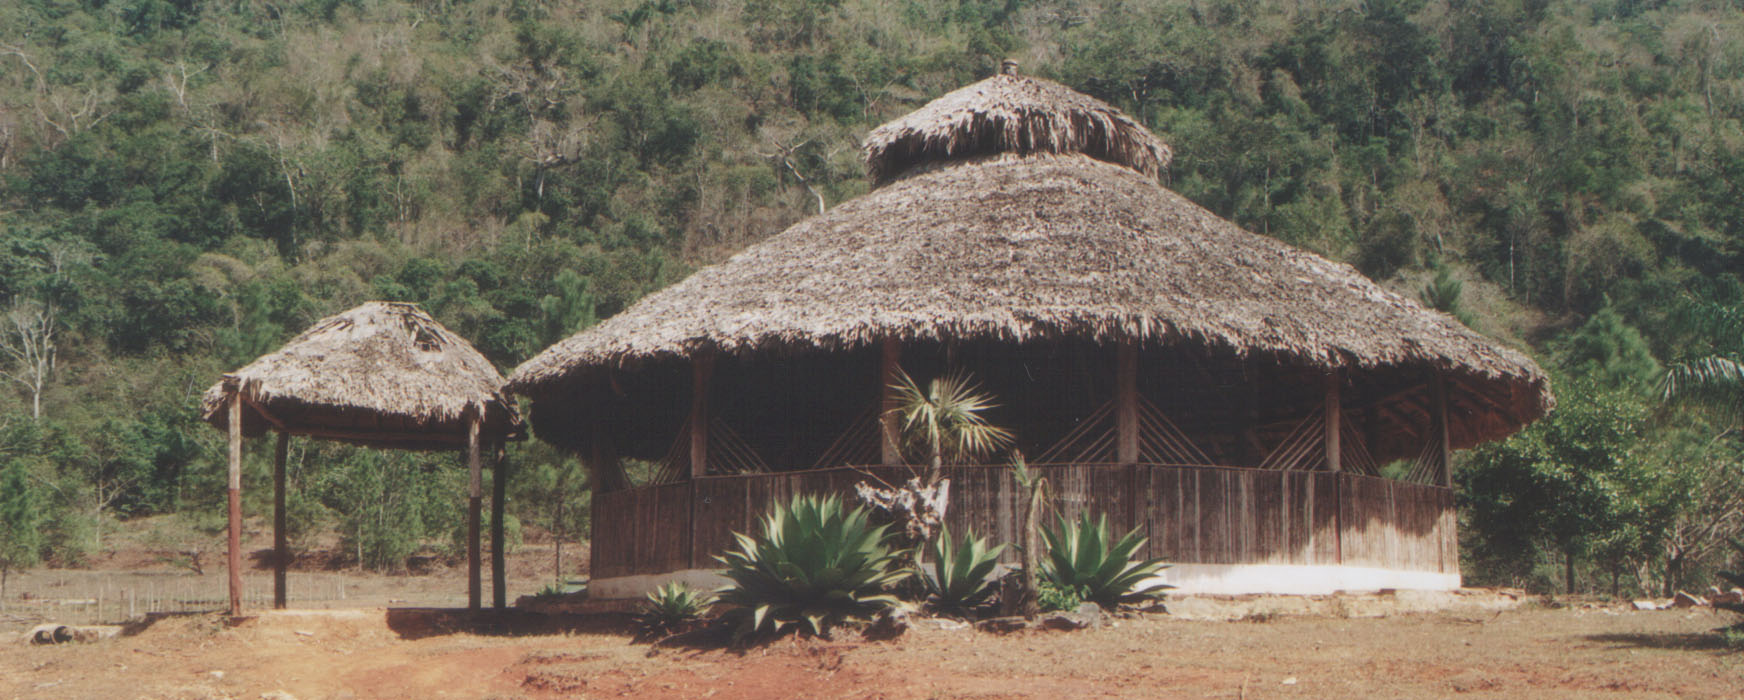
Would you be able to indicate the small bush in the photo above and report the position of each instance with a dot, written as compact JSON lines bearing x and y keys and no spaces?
{"x":672,"y":605}
{"x":1083,"y":556}
{"x":960,"y":570}
{"x":1052,"y":597}
{"x":816,"y":562}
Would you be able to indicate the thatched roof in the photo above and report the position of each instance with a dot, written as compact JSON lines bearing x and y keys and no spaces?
{"x":1018,"y":246}
{"x":1012,"y":114}
{"x":383,"y":374}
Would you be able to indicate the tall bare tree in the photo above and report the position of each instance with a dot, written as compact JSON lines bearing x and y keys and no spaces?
{"x":27,"y":341}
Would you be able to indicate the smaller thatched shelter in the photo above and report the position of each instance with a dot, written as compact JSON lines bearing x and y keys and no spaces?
{"x":384,"y":374}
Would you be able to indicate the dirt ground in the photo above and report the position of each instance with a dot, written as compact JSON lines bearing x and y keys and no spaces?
{"x":1465,"y":651}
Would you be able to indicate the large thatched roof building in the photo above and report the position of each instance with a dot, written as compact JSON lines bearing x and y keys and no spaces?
{"x":1018,"y":229}
{"x":385,"y":375}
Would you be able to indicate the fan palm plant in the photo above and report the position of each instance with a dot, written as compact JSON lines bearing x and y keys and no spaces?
{"x":946,"y":418}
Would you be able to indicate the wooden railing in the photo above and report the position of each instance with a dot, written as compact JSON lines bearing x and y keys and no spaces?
{"x":1192,"y":514}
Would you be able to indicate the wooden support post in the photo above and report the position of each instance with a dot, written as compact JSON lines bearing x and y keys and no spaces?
{"x":499,"y":494}
{"x":1126,"y":402}
{"x":1334,"y":420}
{"x":281,"y":545}
{"x":605,"y":471}
{"x":1438,"y":426}
{"x":235,"y":559}
{"x":474,"y":504}
{"x":889,"y":425}
{"x":702,"y":368}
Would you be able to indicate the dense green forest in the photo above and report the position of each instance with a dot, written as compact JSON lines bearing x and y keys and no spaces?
{"x":184,"y":184}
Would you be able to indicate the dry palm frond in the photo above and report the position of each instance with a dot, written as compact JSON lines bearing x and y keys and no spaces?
{"x":1715,"y":382}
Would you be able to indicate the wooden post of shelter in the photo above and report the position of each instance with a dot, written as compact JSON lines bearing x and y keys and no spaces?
{"x":499,"y":494}
{"x":235,"y":553}
{"x":1334,"y":421}
{"x":702,"y":368}
{"x":473,"y":505}
{"x":889,"y":429}
{"x":1438,"y":427}
{"x":1126,"y":402}
{"x":281,"y":547}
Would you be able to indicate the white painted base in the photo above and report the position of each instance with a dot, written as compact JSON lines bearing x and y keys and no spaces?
{"x":1198,"y":579}
{"x":1299,"y":579}
{"x":637,"y":586}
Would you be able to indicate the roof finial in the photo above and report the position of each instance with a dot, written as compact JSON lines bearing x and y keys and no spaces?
{"x":1009,"y":67}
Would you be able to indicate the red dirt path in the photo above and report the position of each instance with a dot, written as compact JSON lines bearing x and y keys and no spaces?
{"x":1525,"y":653}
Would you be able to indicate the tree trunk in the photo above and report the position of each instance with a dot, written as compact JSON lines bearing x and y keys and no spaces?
{"x":1568,"y":570}
{"x":938,"y":467}
{"x":557,"y":536}
{"x":1030,"y":605}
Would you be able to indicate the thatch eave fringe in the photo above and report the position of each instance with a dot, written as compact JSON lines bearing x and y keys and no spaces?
{"x":389,"y":361}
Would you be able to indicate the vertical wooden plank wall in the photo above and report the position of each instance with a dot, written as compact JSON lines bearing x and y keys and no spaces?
{"x":1210,"y":515}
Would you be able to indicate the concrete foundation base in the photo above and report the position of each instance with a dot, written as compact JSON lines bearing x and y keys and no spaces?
{"x":1196,"y":579}
{"x":1300,"y":579}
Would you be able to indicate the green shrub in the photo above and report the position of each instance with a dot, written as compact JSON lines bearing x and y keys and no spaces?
{"x":1082,"y":555}
{"x":557,"y":589}
{"x":672,"y":605}
{"x":1051,"y":597}
{"x":960,"y":570}
{"x":816,"y":562}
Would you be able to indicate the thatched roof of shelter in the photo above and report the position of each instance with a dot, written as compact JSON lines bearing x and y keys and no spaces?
{"x":1012,"y":114}
{"x":383,"y":374}
{"x":1035,"y":243}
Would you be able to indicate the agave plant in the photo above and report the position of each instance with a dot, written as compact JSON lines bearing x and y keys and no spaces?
{"x":960,"y":569}
{"x":672,"y":605}
{"x":816,"y":563}
{"x":1083,"y":556}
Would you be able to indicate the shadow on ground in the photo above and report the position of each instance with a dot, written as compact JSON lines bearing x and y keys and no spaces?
{"x":1687,"y":641}
{"x":420,"y":623}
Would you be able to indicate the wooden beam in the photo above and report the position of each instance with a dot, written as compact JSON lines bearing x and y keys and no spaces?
{"x":1334,"y":417}
{"x":1438,"y":425}
{"x":475,"y":490}
{"x":702,"y":368}
{"x":1126,"y":402}
{"x":605,"y":472}
{"x":889,"y":427}
{"x":438,"y":440}
{"x":281,"y":545}
{"x":235,"y":539}
{"x":499,"y":495}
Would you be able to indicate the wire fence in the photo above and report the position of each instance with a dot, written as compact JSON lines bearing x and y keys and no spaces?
{"x":83,"y":597}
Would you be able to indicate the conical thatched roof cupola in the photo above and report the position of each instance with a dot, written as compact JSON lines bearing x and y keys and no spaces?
{"x":1015,"y":209}
{"x":383,"y":374}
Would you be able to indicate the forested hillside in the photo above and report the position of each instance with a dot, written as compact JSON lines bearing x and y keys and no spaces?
{"x":184,"y":184}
